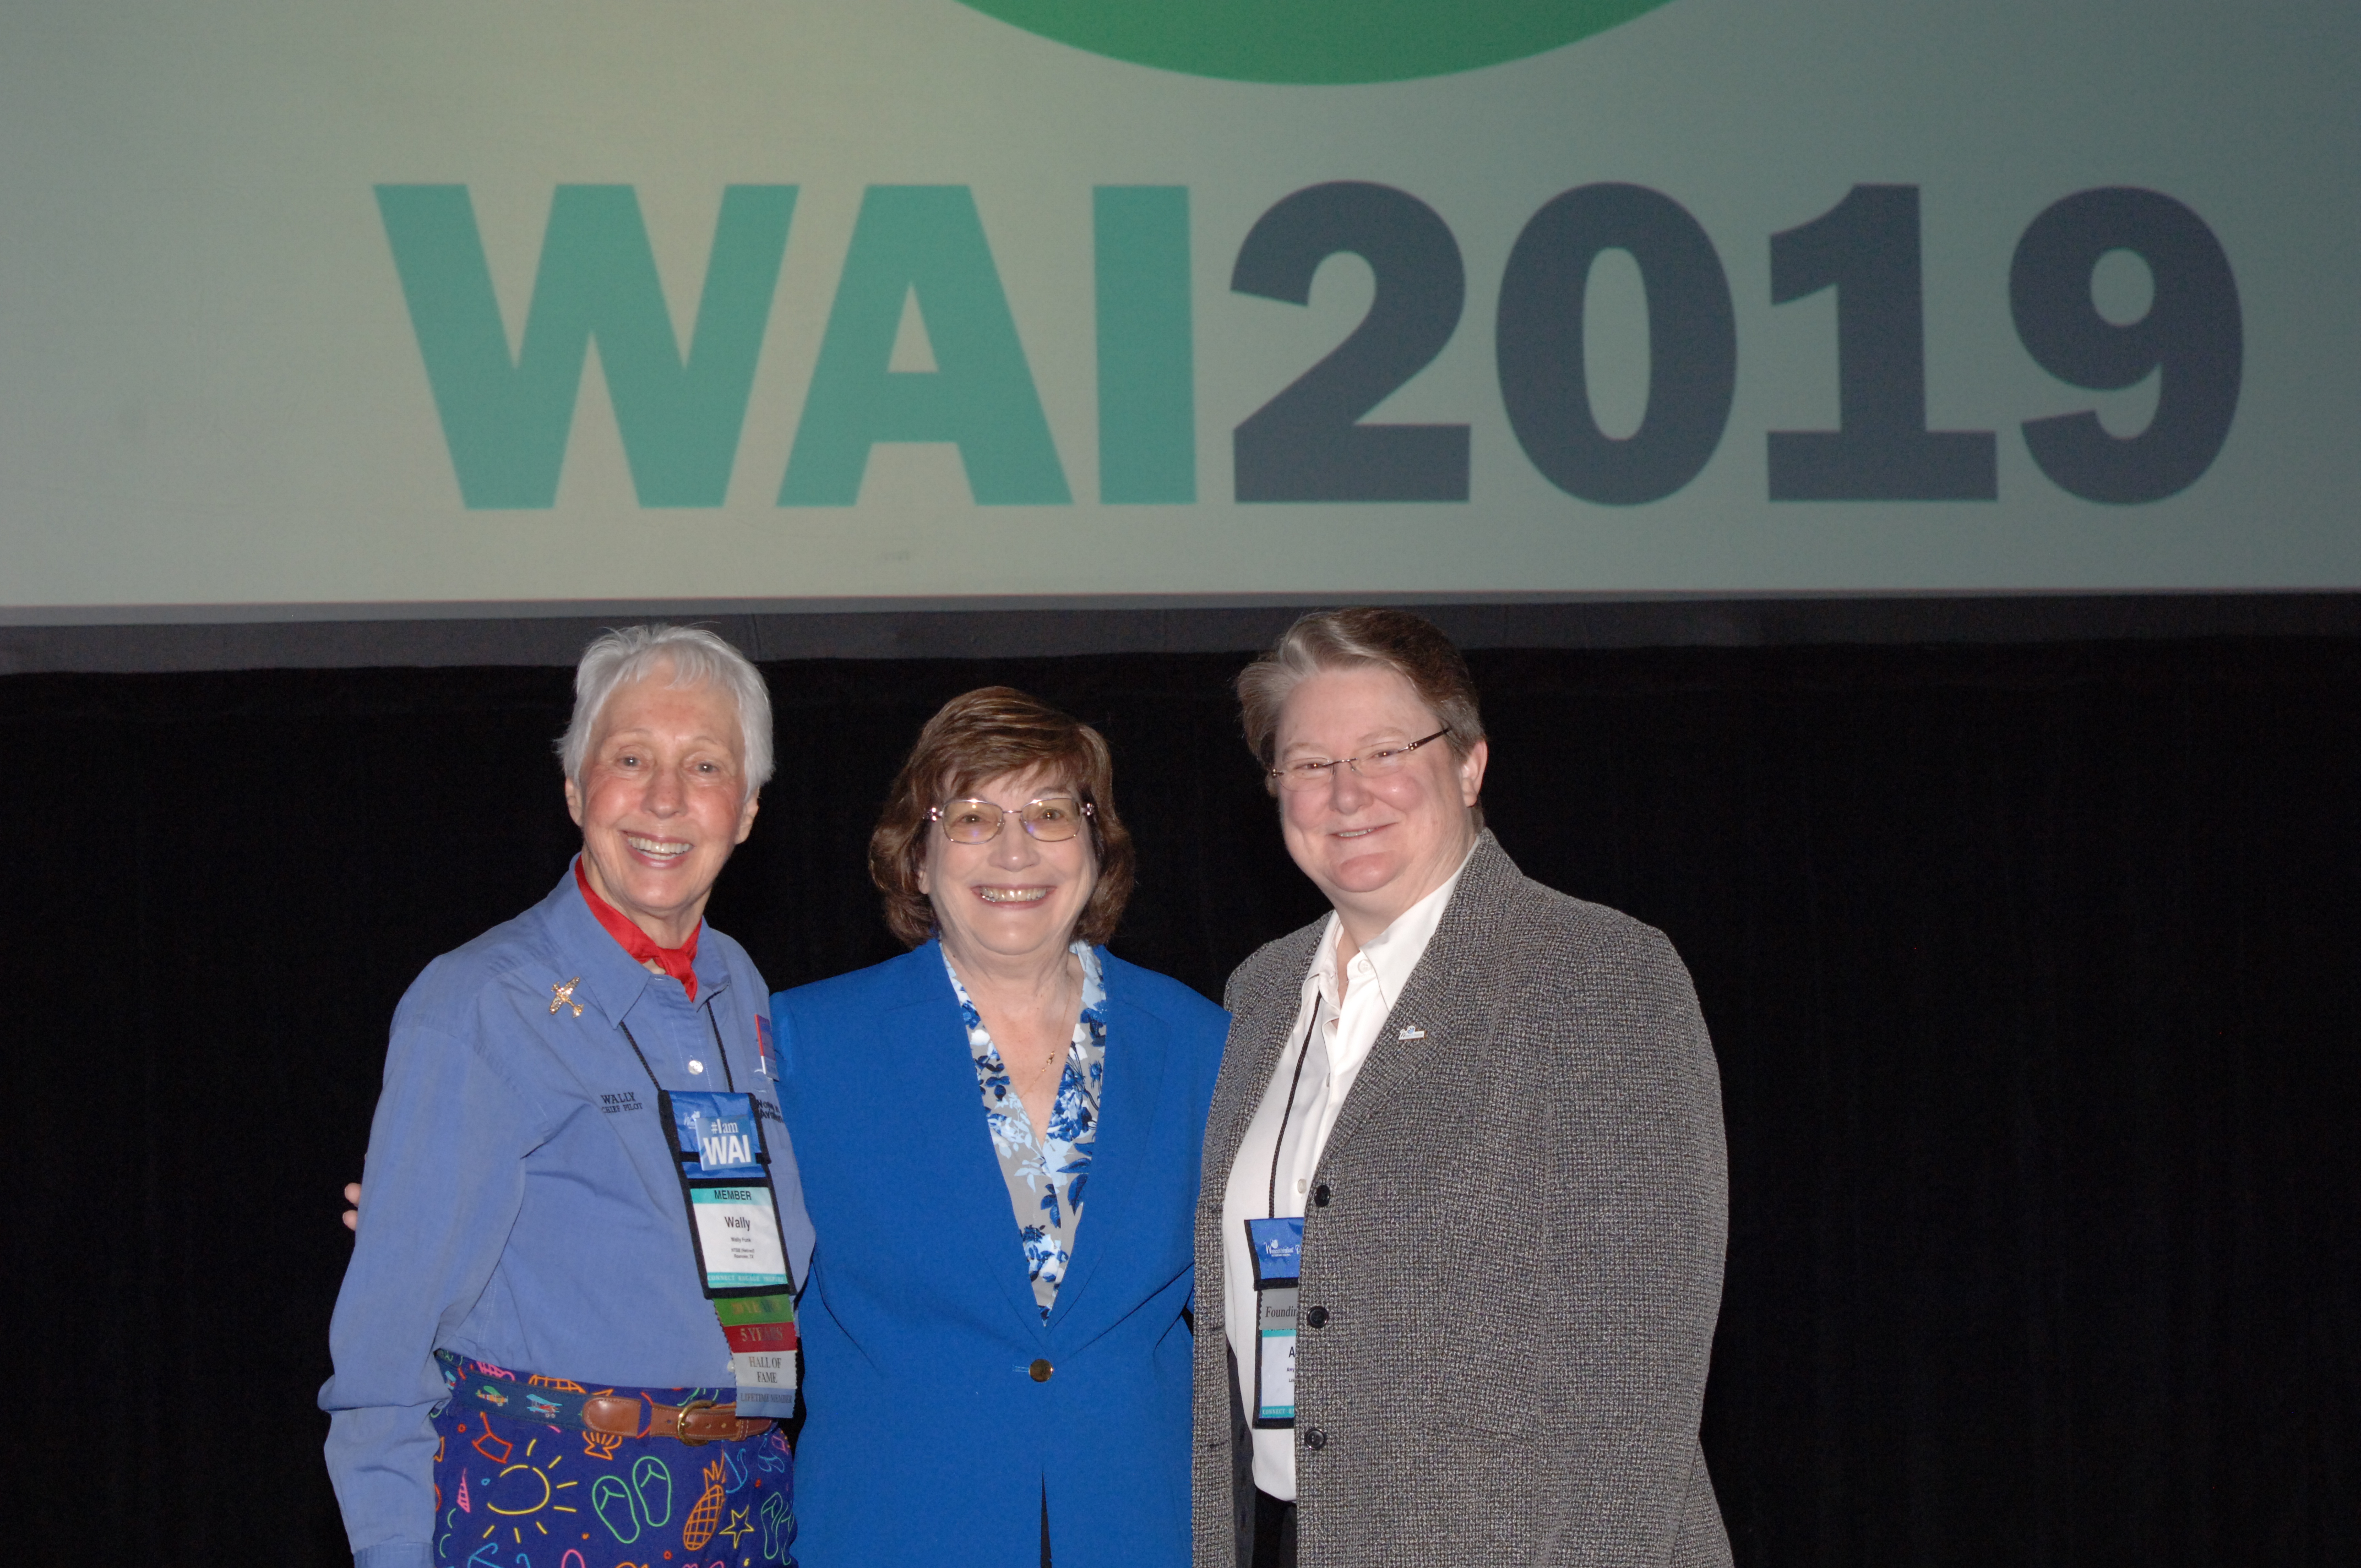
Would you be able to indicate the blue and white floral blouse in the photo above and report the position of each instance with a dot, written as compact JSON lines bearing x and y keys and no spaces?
{"x":1044,"y":1180}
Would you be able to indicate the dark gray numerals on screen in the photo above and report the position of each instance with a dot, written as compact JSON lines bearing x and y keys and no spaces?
{"x":1866,"y":248}
{"x":1692,"y":345}
{"x":2192,"y":339}
{"x":1307,"y":444}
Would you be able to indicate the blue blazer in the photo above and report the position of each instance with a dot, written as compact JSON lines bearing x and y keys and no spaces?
{"x":929,"y":1441}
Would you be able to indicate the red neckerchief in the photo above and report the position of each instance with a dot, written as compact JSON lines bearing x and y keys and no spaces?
{"x":674,"y":961}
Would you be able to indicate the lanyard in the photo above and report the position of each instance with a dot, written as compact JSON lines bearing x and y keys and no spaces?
{"x":1276,"y":1245}
{"x":1287,"y":1114}
{"x":729,"y":1078}
{"x":716,"y":1142}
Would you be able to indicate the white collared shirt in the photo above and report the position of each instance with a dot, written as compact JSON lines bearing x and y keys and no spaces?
{"x":1341,"y":1032}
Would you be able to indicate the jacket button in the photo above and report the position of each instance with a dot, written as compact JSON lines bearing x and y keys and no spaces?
{"x":1314,"y":1438}
{"x":1320,"y":1195}
{"x":1041,"y":1370}
{"x":1317,"y":1317}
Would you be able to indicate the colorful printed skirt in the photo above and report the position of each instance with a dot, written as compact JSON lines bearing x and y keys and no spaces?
{"x":510,"y":1494}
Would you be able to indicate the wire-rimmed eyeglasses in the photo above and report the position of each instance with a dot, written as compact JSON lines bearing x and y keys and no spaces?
{"x":1309,"y":772}
{"x":1051,"y":820}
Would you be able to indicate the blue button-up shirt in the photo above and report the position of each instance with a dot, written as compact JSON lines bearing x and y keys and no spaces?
{"x":522,"y":1205}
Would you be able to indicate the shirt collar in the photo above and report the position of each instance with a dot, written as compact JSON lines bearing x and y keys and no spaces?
{"x":679,"y":963}
{"x":610,"y":978}
{"x":1393,"y":953}
{"x":1094,"y":1010}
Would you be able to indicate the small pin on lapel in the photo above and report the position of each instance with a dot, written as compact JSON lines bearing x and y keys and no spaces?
{"x":1413,"y":1033}
{"x":565,"y":997}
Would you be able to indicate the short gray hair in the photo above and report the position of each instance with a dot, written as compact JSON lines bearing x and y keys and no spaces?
{"x":695,"y":657}
{"x":1363,"y":637}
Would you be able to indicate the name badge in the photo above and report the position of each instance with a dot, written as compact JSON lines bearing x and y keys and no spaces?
{"x":1277,"y":1246}
{"x":742,"y":1251}
{"x":737,"y":1239}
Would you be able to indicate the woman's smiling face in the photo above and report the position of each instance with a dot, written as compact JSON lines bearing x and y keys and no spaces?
{"x":1013,"y":897}
{"x":663,"y":801}
{"x":1374,"y":845}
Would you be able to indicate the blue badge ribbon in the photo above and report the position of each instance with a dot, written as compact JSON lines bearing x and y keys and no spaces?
{"x":1277,"y":1246}
{"x":719,"y":1135}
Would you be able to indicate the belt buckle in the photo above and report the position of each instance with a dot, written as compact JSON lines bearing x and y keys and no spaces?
{"x":680,"y":1422}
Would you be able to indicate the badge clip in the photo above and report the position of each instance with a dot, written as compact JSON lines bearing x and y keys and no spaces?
{"x":1276,"y":1245}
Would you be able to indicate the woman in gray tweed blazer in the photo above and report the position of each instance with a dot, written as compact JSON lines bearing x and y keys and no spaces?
{"x":1494,"y":1112}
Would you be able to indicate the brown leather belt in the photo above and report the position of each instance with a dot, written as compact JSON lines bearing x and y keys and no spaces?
{"x":697,"y":1423}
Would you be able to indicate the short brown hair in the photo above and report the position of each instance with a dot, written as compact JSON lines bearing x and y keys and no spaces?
{"x":1409,"y":645}
{"x":986,"y":734}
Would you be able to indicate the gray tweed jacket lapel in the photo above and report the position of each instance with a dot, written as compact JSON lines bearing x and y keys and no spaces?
{"x":1254,"y":1054}
{"x":1450,"y":1013}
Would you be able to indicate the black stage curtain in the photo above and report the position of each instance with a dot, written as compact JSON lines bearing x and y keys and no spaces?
{"x":2031,"y":972}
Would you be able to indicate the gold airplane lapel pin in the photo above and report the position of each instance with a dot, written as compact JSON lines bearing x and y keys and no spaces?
{"x":564,"y":997}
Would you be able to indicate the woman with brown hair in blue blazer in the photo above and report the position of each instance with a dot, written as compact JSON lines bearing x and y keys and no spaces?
{"x":1000,"y":1134}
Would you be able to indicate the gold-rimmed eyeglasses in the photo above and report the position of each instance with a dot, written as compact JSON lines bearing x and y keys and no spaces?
{"x":1051,"y":820}
{"x":1310,"y":773}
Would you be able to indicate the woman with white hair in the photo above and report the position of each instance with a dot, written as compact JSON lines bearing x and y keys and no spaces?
{"x":566,"y":1333}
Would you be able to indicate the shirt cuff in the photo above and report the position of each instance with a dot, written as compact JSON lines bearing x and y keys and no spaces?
{"x":395,"y":1555}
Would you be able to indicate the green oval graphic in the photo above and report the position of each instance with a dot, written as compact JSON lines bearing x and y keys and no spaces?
{"x":1315,"y":40}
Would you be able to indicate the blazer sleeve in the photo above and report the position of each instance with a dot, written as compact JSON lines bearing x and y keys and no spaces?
{"x":1637,"y":1231}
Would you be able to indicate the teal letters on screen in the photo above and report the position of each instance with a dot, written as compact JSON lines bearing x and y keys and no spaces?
{"x":1148,"y":417}
{"x":927,"y":240}
{"x":506,"y":421}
